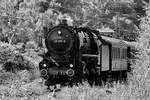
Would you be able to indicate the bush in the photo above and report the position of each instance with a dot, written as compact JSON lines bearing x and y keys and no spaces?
{"x":140,"y":81}
{"x":18,"y":63}
{"x":17,"y":90}
{"x":31,"y":45}
{"x":6,"y":51}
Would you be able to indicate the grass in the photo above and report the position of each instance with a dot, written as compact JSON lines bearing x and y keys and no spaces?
{"x":21,"y":86}
{"x":35,"y":90}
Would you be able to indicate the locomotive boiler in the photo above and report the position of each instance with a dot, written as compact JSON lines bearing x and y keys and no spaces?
{"x":77,"y":54}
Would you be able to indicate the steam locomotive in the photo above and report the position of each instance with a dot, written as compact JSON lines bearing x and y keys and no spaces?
{"x":77,"y":54}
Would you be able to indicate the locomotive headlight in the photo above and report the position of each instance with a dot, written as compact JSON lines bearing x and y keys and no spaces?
{"x":44,"y":65}
{"x":59,"y":32}
{"x":71,"y":65}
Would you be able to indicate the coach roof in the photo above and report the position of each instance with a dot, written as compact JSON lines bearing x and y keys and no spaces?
{"x":111,"y":40}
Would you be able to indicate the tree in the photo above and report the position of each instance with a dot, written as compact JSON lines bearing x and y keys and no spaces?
{"x":141,"y":67}
{"x":8,"y":19}
{"x":119,"y":15}
{"x":33,"y":17}
{"x":21,"y":20}
{"x":124,"y":17}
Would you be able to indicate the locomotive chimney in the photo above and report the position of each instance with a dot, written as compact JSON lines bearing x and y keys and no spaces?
{"x":63,"y":22}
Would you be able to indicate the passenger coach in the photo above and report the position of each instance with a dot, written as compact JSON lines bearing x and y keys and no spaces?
{"x":114,"y":58}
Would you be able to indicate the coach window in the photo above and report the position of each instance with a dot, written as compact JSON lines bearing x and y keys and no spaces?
{"x":124,"y":53}
{"x":113,"y":52}
{"x":116,"y":53}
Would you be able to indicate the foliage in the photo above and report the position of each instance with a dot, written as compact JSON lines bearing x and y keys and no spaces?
{"x":117,"y":14}
{"x":17,"y":63}
{"x":6,"y":51}
{"x":14,"y":60}
{"x":18,"y":90}
{"x":18,"y":20}
{"x":25,"y":20}
{"x":141,"y":69}
{"x":31,"y":45}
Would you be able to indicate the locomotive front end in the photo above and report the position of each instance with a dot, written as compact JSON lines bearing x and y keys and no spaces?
{"x":60,"y":63}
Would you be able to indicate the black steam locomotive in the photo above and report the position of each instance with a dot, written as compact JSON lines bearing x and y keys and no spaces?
{"x":75,"y":54}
